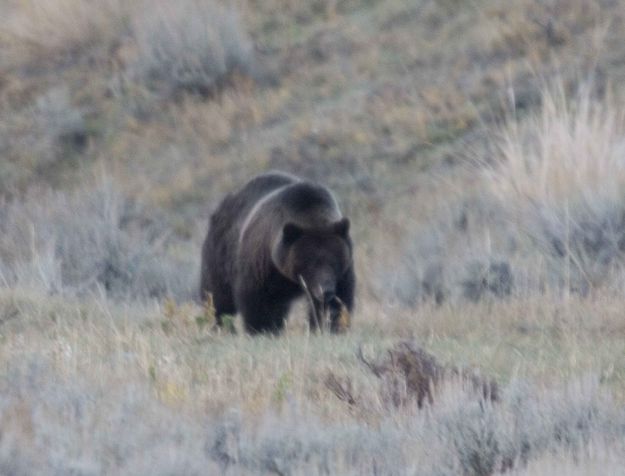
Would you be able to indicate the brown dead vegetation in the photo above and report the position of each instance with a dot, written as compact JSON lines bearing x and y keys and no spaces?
{"x":409,"y":374}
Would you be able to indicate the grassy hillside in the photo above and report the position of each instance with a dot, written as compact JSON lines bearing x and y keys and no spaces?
{"x":477,"y":147}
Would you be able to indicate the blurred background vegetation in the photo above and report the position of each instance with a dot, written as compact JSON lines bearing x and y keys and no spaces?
{"x":406,"y":109}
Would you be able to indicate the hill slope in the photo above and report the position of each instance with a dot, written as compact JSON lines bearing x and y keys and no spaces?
{"x":477,"y":148}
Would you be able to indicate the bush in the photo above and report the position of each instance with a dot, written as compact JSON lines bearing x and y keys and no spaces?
{"x":33,"y":139}
{"x":189,"y":46}
{"x":550,"y":215}
{"x":464,"y":252}
{"x":60,"y":127}
{"x":409,"y":374}
{"x":55,"y":425}
{"x":79,"y":428}
{"x":94,"y":239}
{"x":561,"y":178}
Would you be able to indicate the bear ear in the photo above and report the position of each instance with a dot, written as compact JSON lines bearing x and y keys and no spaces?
{"x":341,"y":228}
{"x":290,"y":233}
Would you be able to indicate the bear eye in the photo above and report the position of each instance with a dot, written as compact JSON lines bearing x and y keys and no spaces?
{"x":290,"y":233}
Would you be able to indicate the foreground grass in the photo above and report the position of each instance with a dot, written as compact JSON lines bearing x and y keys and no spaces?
{"x":70,"y":367}
{"x":546,"y":340}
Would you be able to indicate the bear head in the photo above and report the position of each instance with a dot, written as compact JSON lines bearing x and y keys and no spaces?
{"x":321,"y":256}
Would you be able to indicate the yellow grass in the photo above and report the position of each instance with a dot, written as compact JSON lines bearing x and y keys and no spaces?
{"x":545,"y":339}
{"x":570,"y":153}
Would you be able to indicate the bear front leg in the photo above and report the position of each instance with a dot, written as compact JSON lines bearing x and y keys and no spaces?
{"x":346,"y":287}
{"x":223,"y":301}
{"x":224,"y":305}
{"x":345,"y":292}
{"x":262,"y":312}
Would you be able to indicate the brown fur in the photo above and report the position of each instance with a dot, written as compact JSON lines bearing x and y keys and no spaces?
{"x":263,"y":237}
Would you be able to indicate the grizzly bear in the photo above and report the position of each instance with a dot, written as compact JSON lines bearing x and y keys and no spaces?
{"x":266,"y":242}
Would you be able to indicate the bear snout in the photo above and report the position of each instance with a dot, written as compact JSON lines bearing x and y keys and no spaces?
{"x":324,"y":293}
{"x":328,"y":297}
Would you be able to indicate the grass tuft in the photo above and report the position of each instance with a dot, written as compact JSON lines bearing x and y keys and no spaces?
{"x":561,"y":176}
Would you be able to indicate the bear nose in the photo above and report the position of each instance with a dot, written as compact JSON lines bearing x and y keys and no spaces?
{"x":328,"y":296}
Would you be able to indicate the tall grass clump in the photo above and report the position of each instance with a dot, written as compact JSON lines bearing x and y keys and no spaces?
{"x":561,"y":179}
{"x":90,"y":240}
{"x":191,"y":46}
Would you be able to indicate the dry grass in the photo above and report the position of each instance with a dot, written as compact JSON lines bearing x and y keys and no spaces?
{"x":37,"y":30}
{"x":94,"y":240}
{"x":191,"y":46}
{"x":163,"y":361}
{"x":601,"y":459}
{"x":570,"y":154}
{"x":560,"y":176}
{"x":107,"y":367}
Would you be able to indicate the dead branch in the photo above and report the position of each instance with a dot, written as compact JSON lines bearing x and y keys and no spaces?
{"x":343,"y":391}
{"x":372,"y":367}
